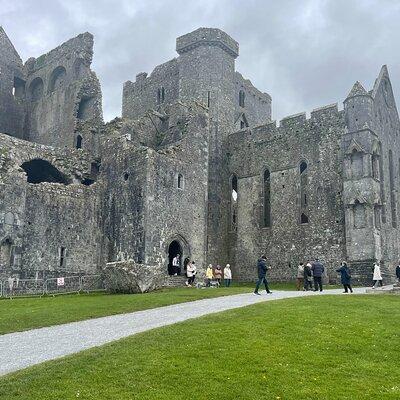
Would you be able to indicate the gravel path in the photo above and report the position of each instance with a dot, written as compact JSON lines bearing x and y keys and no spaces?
{"x":23,"y":349}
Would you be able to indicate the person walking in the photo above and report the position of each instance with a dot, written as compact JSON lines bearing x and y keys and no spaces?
{"x":227,"y":275}
{"x":262,"y":272}
{"x":308,"y":278}
{"x":300,"y":276}
{"x":317,"y":270}
{"x":377,"y":276}
{"x":345,"y":277}
{"x":209,"y":275}
{"x":218,"y":274}
{"x":191,"y":273}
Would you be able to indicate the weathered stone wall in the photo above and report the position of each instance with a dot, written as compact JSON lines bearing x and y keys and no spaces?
{"x":124,"y":170}
{"x":257,"y":105}
{"x":151,"y":92}
{"x":12,"y":88}
{"x":371,"y":177}
{"x":175,"y":213}
{"x":61,"y":90}
{"x":37,"y":219}
{"x":281,"y":150}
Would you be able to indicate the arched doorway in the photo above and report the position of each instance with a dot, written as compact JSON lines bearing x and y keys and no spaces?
{"x":173,"y":249}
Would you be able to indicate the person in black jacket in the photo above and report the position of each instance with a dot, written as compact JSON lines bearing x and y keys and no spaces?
{"x":398,"y":272}
{"x":318,"y":270}
{"x":345,"y":277}
{"x":262,"y":271}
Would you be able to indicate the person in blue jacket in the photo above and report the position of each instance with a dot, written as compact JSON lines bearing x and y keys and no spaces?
{"x":262,"y":272}
{"x":345,"y":277}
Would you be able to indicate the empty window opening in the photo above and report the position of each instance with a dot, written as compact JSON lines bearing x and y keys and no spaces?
{"x":126,"y":176}
{"x":39,"y":171}
{"x":5,"y":253}
{"x":180,"y":181}
{"x":303,"y":218}
{"x":234,"y":198}
{"x":95,"y":169}
{"x":85,"y":108}
{"x":359,"y":215}
{"x":88,"y":182}
{"x":18,"y":90}
{"x":79,"y":142}
{"x":234,"y":184}
{"x":36,"y":89}
{"x":375,"y":166}
{"x":356,"y":164}
{"x":241,"y":98}
{"x":303,"y":167}
{"x":305,"y":199}
{"x":377,"y":216}
{"x":62,"y":256}
{"x":267,"y":198}
{"x":160,"y":95}
{"x":57,"y":78}
{"x":208,"y":99}
{"x":79,"y":68}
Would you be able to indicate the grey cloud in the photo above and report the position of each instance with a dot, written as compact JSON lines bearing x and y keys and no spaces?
{"x":304,"y":53}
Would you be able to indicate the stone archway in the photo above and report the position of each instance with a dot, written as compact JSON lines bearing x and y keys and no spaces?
{"x":177,"y":245}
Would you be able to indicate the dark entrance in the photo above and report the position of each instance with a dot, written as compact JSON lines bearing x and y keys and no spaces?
{"x":174,"y":249}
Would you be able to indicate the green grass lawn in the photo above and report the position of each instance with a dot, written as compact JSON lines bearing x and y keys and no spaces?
{"x":26,"y":313}
{"x":331,"y":347}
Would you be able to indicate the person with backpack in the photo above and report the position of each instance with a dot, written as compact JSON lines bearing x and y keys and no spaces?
{"x":345,"y":277}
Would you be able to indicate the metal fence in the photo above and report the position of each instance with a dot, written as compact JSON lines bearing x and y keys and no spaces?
{"x":14,"y":287}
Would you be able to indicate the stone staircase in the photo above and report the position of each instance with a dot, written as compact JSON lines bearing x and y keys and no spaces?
{"x":175,"y":281}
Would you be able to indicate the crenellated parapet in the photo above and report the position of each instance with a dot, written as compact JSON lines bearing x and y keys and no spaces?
{"x":207,"y":37}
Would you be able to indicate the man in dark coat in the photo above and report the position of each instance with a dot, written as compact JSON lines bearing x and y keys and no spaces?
{"x":345,"y":277}
{"x":262,"y":271}
{"x":398,"y":272}
{"x":318,"y":270}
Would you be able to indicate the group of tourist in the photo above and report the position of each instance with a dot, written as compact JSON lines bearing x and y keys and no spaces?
{"x":309,"y":275}
{"x":216,"y":275}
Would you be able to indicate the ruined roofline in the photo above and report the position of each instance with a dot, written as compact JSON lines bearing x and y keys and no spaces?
{"x":249,"y":85}
{"x":11,"y":45}
{"x":81,"y":46}
{"x":207,"y":37}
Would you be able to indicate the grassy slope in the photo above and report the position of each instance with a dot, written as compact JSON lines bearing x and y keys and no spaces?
{"x":311,"y":348}
{"x":27,"y":313}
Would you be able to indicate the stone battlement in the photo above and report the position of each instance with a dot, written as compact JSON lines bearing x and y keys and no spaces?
{"x":207,"y":37}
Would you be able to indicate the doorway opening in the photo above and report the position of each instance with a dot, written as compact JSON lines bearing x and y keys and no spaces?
{"x":174,"y":249}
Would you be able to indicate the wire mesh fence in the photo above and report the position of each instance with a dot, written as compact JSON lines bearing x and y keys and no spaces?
{"x":14,"y":287}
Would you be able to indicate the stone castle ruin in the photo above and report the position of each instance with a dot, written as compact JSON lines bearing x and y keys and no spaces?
{"x":195,"y":165}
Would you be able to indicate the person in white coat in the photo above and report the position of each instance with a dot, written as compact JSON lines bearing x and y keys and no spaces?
{"x":227,"y":275}
{"x":191,"y":273}
{"x":377,"y":277}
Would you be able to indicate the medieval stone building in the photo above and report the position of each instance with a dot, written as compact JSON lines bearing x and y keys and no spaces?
{"x":195,"y":165}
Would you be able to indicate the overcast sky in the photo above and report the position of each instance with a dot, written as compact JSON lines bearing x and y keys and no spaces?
{"x":305,"y":54}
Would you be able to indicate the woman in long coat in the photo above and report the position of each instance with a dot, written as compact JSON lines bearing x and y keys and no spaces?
{"x":345,"y":277}
{"x":377,"y":277}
